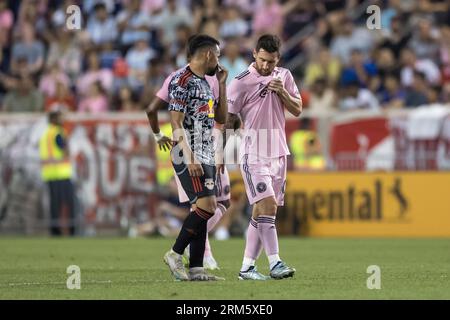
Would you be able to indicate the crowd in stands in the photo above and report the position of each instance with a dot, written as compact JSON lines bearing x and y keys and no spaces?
{"x":125,"y":49}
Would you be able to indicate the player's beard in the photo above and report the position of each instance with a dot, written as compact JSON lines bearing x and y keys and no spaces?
{"x":212,"y":71}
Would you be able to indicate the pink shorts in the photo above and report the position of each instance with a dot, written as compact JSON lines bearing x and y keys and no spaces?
{"x":222,"y":187}
{"x":264,"y":177}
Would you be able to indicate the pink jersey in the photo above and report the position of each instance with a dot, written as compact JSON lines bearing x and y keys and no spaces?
{"x":261,"y":111}
{"x":163,"y":92}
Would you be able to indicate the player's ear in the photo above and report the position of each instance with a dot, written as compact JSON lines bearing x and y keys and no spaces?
{"x":254,"y":54}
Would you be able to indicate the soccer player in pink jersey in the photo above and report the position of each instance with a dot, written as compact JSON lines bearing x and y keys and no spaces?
{"x":160,"y":102}
{"x":260,"y":95}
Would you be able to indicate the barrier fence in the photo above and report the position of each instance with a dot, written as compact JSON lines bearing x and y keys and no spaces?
{"x":114,"y":159}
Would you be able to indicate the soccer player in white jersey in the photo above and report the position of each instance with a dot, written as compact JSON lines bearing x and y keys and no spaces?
{"x":260,"y":95}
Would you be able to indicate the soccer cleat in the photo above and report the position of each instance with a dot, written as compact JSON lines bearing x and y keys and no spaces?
{"x":281,"y":271}
{"x":199,"y":274}
{"x":175,"y":263}
{"x":209,"y":263}
{"x":252,"y":274}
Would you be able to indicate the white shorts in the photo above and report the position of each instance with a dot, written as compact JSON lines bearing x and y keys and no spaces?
{"x":222,"y":186}
{"x":264,"y":177}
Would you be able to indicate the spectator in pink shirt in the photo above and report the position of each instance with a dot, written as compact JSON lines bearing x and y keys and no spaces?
{"x":48,"y":82}
{"x":96,"y":101}
{"x":268,"y":18}
{"x":93,"y":74}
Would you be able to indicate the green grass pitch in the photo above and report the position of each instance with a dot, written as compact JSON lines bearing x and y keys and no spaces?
{"x":35,"y":268}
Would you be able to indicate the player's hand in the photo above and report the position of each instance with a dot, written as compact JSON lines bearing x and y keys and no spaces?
{"x":276,"y":85}
{"x":195,"y":170}
{"x":220,"y":169}
{"x":165,"y":143}
{"x":222,"y":74}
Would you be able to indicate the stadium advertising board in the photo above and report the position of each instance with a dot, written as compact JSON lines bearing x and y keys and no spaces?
{"x":397,"y":204}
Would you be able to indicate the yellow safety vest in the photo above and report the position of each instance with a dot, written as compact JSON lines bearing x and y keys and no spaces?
{"x":298,"y":141}
{"x":55,"y":164}
{"x":164,"y":162}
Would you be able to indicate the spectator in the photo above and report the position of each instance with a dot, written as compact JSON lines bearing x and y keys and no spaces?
{"x":126,"y":100}
{"x":268,"y":18}
{"x":137,"y":59}
{"x":358,"y":70}
{"x":101,"y":27}
{"x":322,"y":99}
{"x":445,"y":54}
{"x":323,"y":65}
{"x":205,"y":10}
{"x":411,"y":63}
{"x":133,"y":24}
{"x":96,"y":101}
{"x":29,"y":49}
{"x":155,"y":78}
{"x":424,"y":42}
{"x":354,"y":97}
{"x":349,"y":39}
{"x":233,"y":25}
{"x":232,"y":60}
{"x":178,"y":48}
{"x":417,"y":93}
{"x":6,"y":23}
{"x":65,"y":52}
{"x":62,"y":99}
{"x":24,"y":98}
{"x":48,"y":82}
{"x":392,"y":95}
{"x":397,"y":37}
{"x":170,"y":18}
{"x":93,"y":74}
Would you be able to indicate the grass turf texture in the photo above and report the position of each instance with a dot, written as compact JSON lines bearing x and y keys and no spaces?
{"x":35,"y":268}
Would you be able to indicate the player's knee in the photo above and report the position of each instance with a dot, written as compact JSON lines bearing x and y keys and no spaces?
{"x":266,"y":207}
{"x":225,"y":203}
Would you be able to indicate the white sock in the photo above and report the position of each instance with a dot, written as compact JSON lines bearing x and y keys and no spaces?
{"x":247,"y":263}
{"x":273,"y":260}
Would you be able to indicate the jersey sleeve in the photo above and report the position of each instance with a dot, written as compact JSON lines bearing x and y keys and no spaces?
{"x":235,"y":97}
{"x":290,"y":85}
{"x":163,"y":92}
{"x":178,"y":96}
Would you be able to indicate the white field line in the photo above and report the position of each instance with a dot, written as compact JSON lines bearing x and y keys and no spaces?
{"x":18,"y":284}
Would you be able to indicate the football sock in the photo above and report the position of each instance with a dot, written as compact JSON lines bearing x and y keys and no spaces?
{"x":268,"y":233}
{"x":247,"y":263}
{"x":220,"y":210}
{"x":253,"y":245}
{"x":193,"y":225}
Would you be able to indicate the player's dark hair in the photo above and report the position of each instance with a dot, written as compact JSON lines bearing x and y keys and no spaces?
{"x":269,"y":42}
{"x":200,"y":41}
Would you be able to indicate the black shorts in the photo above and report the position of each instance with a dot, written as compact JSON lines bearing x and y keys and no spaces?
{"x":197,"y":187}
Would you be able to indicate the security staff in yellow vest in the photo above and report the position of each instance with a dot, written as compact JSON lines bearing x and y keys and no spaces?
{"x":306,"y":149}
{"x":56,"y":171}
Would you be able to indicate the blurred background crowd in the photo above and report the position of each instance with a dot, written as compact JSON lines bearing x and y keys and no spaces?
{"x":125,"y":48}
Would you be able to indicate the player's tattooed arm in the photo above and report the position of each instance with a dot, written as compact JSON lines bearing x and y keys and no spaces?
{"x":164,"y":142}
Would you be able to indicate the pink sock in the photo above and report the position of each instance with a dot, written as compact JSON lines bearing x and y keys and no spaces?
{"x":253,"y":242}
{"x":220,"y":210}
{"x":268,"y":233}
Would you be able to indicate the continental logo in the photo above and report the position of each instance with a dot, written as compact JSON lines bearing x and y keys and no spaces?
{"x":351,"y":203}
